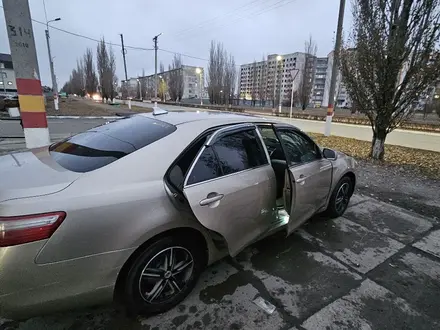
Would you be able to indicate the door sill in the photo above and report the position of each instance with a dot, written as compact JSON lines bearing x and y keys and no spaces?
{"x":282,"y":220}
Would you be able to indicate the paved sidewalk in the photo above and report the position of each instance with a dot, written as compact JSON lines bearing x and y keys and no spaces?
{"x":378,"y":267}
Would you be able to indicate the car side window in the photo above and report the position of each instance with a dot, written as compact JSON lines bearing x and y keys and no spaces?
{"x":298,"y":149}
{"x":231,"y":154}
{"x":240,"y":151}
{"x":206,"y":168}
{"x":273,"y":145}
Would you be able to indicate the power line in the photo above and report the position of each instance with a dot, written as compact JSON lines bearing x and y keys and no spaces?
{"x":258,"y":12}
{"x":185,"y":55}
{"x":201,"y":24}
{"x":87,"y":37}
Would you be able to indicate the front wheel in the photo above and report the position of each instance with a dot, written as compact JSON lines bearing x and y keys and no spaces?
{"x":340,"y":198}
{"x":162,"y":276}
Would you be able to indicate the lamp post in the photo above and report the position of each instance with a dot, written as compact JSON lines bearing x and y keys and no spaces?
{"x":52,"y":70}
{"x":275,"y":78}
{"x":162,"y":88}
{"x":140,"y":89}
{"x":291,"y":95}
{"x":2,"y":66}
{"x":199,"y":72}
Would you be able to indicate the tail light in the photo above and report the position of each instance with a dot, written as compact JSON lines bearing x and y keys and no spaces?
{"x":29,"y":228}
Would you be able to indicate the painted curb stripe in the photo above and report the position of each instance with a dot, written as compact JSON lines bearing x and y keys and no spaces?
{"x":29,"y":86}
{"x":31,"y":103}
{"x":34,"y":119}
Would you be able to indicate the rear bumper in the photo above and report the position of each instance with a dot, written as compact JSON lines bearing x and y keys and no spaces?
{"x":28,"y":289}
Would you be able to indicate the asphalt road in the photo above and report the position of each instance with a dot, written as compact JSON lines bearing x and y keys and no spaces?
{"x":378,"y":267}
{"x":412,"y":139}
{"x":405,"y":138}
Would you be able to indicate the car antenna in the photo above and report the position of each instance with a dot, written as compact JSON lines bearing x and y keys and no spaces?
{"x":158,"y":111}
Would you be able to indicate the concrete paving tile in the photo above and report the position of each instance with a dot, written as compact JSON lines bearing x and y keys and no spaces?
{"x":351,"y":243}
{"x":430,"y":243}
{"x":389,"y":220}
{"x":358,"y":198}
{"x":414,"y":277}
{"x":222,"y":300}
{"x":369,"y":306}
{"x":300,"y":278}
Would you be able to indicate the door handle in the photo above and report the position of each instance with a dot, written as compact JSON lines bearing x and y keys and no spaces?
{"x":302,"y":178}
{"x":211,"y":199}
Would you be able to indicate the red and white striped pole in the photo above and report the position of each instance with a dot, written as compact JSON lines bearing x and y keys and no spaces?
{"x":24,"y":59}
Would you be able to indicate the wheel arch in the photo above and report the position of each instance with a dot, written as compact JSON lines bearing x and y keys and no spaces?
{"x":352,"y":177}
{"x":190,"y":232}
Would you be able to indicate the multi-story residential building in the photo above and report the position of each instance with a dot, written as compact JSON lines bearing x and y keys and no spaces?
{"x":274,"y":79}
{"x":320,"y":82}
{"x":271,"y":79}
{"x":193,"y":83}
{"x":7,"y":76}
{"x":342,"y":99}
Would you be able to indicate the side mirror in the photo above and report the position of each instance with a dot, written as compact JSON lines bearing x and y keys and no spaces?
{"x":329,"y":153}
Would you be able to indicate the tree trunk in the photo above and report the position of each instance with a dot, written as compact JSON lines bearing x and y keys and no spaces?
{"x":378,"y":144}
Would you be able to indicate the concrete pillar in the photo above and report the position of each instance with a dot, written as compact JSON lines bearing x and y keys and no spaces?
{"x":24,"y":59}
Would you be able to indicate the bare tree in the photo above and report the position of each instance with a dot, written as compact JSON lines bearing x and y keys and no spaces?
{"x":254,"y":88}
{"x":216,"y":72}
{"x":103,"y":64}
{"x":222,"y":75}
{"x":391,"y":60}
{"x":143,"y":82}
{"x":230,"y":79}
{"x":175,"y":81}
{"x":161,"y":68}
{"x":106,"y":70}
{"x":112,"y":78}
{"x":307,"y":71}
{"x":262,"y":84}
{"x":91,"y":81}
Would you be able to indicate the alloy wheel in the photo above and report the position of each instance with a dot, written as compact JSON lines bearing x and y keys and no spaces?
{"x":166,"y":274}
{"x":342,"y":198}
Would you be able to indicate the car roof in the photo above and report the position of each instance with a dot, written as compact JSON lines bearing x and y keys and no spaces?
{"x":209,"y":118}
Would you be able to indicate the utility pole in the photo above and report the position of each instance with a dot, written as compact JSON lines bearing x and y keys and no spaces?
{"x":52,"y":70}
{"x":155,"y":69}
{"x":24,"y":59}
{"x":2,"y":66}
{"x":335,"y":69}
{"x":124,"y":51}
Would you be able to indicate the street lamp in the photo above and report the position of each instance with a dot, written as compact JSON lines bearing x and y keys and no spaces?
{"x":140,"y":90}
{"x":52,"y":70}
{"x":199,"y":72}
{"x":291,"y":96}
{"x":275,"y":78}
{"x":162,"y":81}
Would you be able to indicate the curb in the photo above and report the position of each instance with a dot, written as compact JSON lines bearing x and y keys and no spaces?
{"x":84,"y":117}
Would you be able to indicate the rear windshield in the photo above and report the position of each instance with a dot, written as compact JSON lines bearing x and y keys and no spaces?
{"x":104,"y":144}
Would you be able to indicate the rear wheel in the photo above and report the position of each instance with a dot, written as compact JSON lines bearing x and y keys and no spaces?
{"x":163,"y":275}
{"x":340,"y":198}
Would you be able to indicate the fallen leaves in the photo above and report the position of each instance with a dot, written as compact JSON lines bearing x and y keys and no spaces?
{"x":424,"y":161}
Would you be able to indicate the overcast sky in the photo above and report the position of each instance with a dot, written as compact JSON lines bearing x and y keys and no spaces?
{"x":247,"y":28}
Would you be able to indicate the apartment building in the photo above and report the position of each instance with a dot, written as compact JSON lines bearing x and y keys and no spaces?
{"x":7,"y":76}
{"x":193,"y":83}
{"x":320,"y":83}
{"x":272,"y":79}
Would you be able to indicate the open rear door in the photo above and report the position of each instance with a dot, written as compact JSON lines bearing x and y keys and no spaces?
{"x":240,"y":205}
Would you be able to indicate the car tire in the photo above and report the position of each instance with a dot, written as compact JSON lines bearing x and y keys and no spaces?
{"x":145,"y":275}
{"x":340,"y":198}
